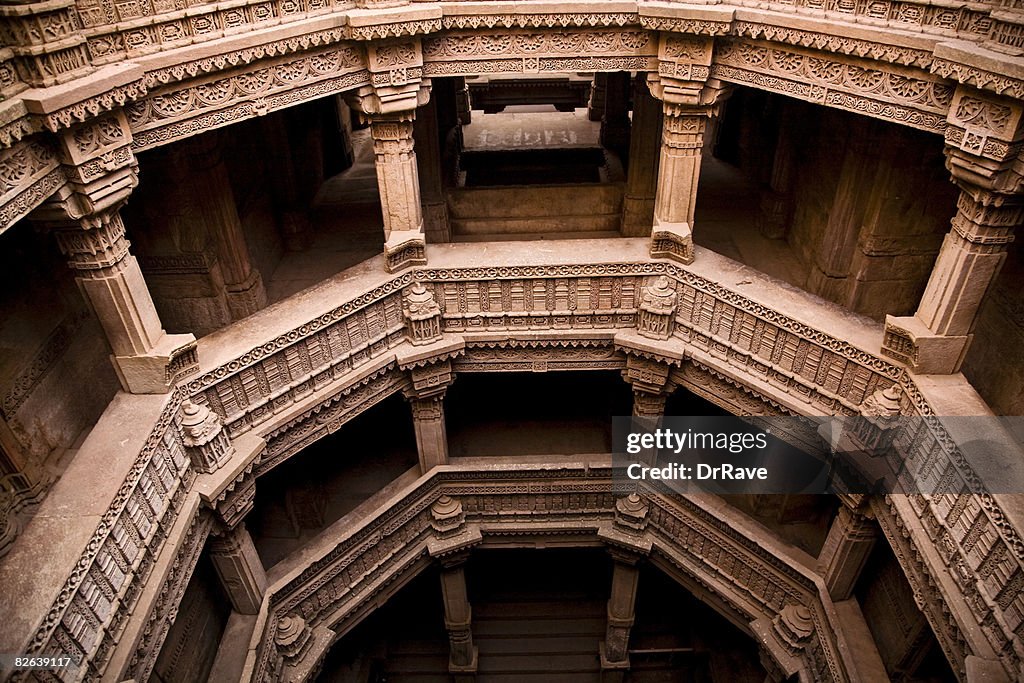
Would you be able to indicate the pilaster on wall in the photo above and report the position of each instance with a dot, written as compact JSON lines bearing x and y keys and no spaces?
{"x":428,"y":158}
{"x":983,"y":140}
{"x":84,"y":215}
{"x":615,"y":126}
{"x":689,"y":98}
{"x":642,"y":169}
{"x":389,"y":105}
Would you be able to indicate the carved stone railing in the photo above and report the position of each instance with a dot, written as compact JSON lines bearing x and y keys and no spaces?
{"x":100,"y":594}
{"x":307,"y":379}
{"x":752,"y":581}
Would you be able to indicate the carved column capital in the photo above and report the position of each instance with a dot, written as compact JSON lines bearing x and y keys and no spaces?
{"x":98,"y":162}
{"x":95,"y":244}
{"x":984,"y":132}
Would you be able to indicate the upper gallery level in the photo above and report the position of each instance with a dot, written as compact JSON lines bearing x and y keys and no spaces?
{"x":65,"y":62}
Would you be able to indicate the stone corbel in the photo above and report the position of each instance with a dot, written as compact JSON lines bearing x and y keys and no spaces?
{"x":453,"y":538}
{"x":628,"y":532}
{"x":230,"y":489}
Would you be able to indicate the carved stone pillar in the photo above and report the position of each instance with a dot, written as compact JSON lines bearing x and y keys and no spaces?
{"x":428,"y":159}
{"x":458,"y":620}
{"x":239,"y":568}
{"x":847,"y":547}
{"x":982,"y":133}
{"x":199,"y":166}
{"x":615,"y":121}
{"x":146,"y":358}
{"x":642,"y":172}
{"x":777,"y":199}
{"x":389,"y":105}
{"x":688,"y":101}
{"x":621,"y":614}
{"x":101,"y":172}
{"x":291,"y":197}
{"x":651,"y":389}
{"x":426,"y":399}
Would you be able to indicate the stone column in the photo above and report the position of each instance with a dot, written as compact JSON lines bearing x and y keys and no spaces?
{"x":101,"y":173}
{"x":396,"y":69}
{"x":595,"y":104}
{"x":642,"y":172}
{"x":651,"y":389}
{"x":621,"y":614}
{"x":239,"y":568}
{"x":615,"y":121}
{"x":777,"y":199}
{"x":291,"y":198}
{"x":428,"y":159}
{"x":147,"y":359}
{"x":458,"y":619}
{"x":199,"y":166}
{"x":982,"y":132}
{"x":848,"y":545}
{"x":689,"y":99}
{"x":426,"y":399}
{"x":398,"y":180}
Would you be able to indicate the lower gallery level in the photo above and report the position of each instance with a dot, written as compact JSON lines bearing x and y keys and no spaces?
{"x":318,"y":384}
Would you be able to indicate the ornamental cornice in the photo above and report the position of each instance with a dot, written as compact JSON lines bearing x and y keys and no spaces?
{"x":982,"y":79}
{"x":836,"y":44}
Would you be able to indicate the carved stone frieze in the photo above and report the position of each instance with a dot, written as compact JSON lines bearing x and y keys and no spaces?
{"x":911,"y":98}
{"x":161,"y":617}
{"x":830,"y":42}
{"x":527,"y":20}
{"x":535,"y":355}
{"x":30,"y":172}
{"x":188,"y":107}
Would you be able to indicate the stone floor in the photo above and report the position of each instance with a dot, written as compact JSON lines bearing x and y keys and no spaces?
{"x":347,"y":218}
